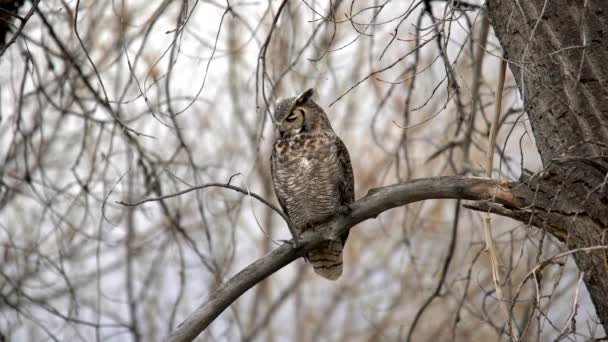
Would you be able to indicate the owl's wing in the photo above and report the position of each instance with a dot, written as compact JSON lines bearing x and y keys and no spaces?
{"x":346,"y":185}
{"x":273,"y":174}
{"x":281,"y":195}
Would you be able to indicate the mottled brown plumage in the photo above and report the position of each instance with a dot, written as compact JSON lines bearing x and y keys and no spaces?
{"x":312,"y":174}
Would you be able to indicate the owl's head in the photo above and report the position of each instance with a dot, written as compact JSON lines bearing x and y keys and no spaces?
{"x":295,"y":115}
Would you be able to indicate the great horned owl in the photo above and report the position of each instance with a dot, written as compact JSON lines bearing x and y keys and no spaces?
{"x":312,"y":174}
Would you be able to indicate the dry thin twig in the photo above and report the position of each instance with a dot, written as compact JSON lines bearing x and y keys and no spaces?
{"x":490,"y":248}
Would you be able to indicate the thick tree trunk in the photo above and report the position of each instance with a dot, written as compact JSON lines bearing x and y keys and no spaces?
{"x":558,"y":53}
{"x":8,"y":9}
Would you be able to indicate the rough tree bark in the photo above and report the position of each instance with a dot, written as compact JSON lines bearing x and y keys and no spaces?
{"x":558,"y":53}
{"x":8,"y":10}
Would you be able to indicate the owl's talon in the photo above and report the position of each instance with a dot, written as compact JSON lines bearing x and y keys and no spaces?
{"x":345,"y":209}
{"x":294,"y":235}
{"x":295,"y":243}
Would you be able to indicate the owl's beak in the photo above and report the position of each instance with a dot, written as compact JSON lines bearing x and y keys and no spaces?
{"x":281,"y":129}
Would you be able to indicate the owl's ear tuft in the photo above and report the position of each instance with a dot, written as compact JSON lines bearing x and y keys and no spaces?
{"x":305,"y":96}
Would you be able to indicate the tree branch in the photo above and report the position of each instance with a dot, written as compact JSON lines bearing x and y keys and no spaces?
{"x":374,"y":203}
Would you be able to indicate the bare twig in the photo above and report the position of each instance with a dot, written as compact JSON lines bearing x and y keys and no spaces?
{"x":490,"y":248}
{"x":219,"y":185}
{"x":444,"y":272}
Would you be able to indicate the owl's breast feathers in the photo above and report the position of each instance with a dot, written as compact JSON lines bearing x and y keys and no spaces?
{"x":306,"y":174}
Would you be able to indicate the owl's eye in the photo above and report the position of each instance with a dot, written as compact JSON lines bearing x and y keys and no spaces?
{"x":293,"y":116}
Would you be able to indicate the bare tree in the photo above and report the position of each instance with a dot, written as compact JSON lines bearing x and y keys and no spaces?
{"x":135,"y":193}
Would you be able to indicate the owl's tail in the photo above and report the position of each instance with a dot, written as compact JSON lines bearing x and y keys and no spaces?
{"x":327,"y":259}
